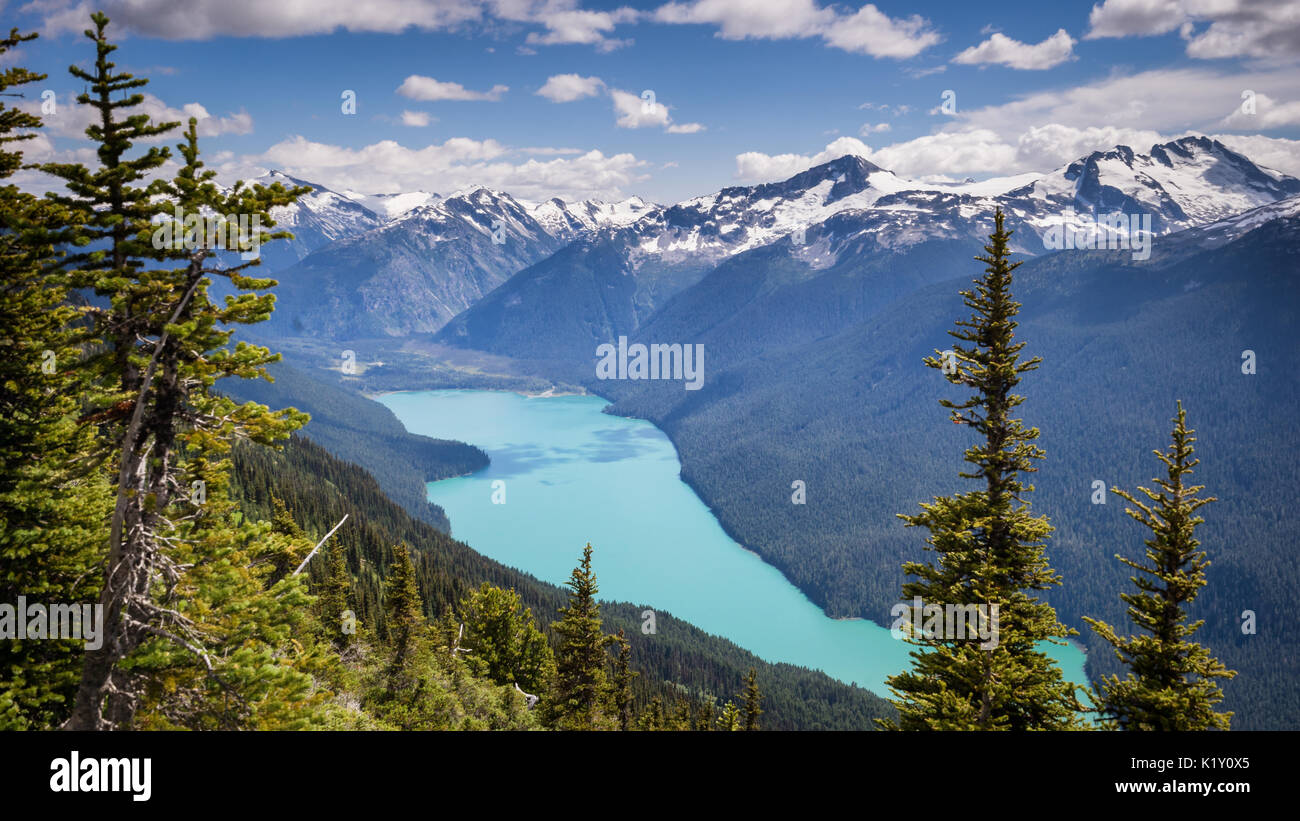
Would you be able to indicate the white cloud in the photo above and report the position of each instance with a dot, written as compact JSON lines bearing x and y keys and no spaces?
{"x":548,"y":152}
{"x":1164,"y":100}
{"x":871,"y":31}
{"x":458,"y":163}
{"x":760,"y":19}
{"x":978,"y":151}
{"x":563,"y":21}
{"x":868,"y":129}
{"x":565,"y":88}
{"x":71,"y":118}
{"x":866,"y":31}
{"x":757,"y":166}
{"x":636,"y":112}
{"x":1124,"y":18}
{"x":1236,"y":28}
{"x":205,"y":19}
{"x":416,"y":119}
{"x":1278,"y":154}
{"x":1003,"y":50}
{"x":427,"y":89}
{"x":982,"y":152}
{"x":582,"y":27}
{"x":1268,"y":113}
{"x":1041,"y":148}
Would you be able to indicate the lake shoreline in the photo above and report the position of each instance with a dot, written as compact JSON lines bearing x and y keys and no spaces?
{"x":575,"y":473}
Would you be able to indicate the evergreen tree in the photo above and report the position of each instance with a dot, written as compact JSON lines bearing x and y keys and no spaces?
{"x":162,"y":347}
{"x":1171,"y":680}
{"x":503,"y":641}
{"x":336,"y":600}
{"x":730,"y":719}
{"x":753,"y":698}
{"x":653,"y":717}
{"x":989,"y":544}
{"x":52,"y":504}
{"x":404,"y":612}
{"x":622,"y":683}
{"x":580,"y":687}
{"x":704,"y":717}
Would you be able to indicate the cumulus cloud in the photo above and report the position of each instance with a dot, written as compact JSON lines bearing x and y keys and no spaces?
{"x":868,"y":129}
{"x":205,"y":19}
{"x":871,"y":31}
{"x":565,"y":88}
{"x":427,"y":89}
{"x":646,"y":112}
{"x":70,"y":118}
{"x":866,"y":31}
{"x":755,"y":166}
{"x":982,"y":152}
{"x":1212,"y":28}
{"x":1002,"y":50}
{"x":581,"y":27}
{"x":388,"y":166}
{"x":1164,"y":100}
{"x":1124,"y":18}
{"x":561,"y":21}
{"x":416,"y":119}
{"x":1262,"y":111}
{"x":1276,"y":153}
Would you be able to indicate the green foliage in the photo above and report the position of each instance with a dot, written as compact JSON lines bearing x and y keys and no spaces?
{"x":621,"y":684}
{"x":989,"y":545}
{"x":796,"y":374}
{"x":52,"y":502}
{"x":753,"y":700}
{"x":405,"y":625}
{"x":1171,"y":681}
{"x":580,"y":697}
{"x":502,"y":640}
{"x":359,"y":430}
{"x":318,"y":490}
{"x":731,"y":718}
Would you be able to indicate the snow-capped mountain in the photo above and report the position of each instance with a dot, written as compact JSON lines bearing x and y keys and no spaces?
{"x":862,"y":232}
{"x":391,"y":206}
{"x":1184,"y":183}
{"x":315,"y":220}
{"x":413,"y":273}
{"x":1220,"y":233}
{"x":1180,"y":184}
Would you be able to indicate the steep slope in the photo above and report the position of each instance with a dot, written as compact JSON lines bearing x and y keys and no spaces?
{"x":679,"y":660}
{"x":413,"y":273}
{"x":856,"y":418}
{"x":315,"y":220}
{"x":358,"y":430}
{"x":827,"y":248}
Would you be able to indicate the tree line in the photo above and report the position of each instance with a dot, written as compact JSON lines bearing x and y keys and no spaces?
{"x":989,"y":551}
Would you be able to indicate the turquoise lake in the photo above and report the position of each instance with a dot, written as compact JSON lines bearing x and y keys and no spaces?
{"x":575,"y":475}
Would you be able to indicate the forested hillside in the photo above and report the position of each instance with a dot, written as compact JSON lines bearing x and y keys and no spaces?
{"x":855,"y":417}
{"x":679,"y":661}
{"x":365,"y":432}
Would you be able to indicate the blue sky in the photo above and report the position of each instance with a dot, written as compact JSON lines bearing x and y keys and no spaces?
{"x":744,"y":90}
